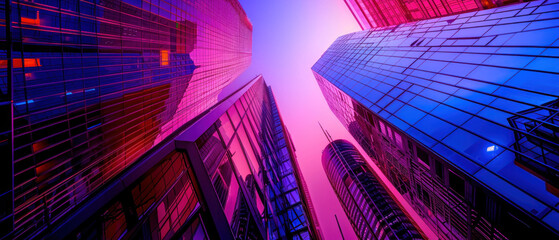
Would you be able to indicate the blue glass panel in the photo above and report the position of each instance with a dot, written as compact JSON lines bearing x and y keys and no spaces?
{"x":513,"y":193}
{"x":472,"y":146}
{"x":490,"y":131}
{"x":395,"y":92}
{"x":464,"y":105}
{"x":416,"y":89}
{"x":508,"y":61}
{"x":535,"y":81}
{"x":492,"y":74}
{"x":456,"y":159}
{"x":410,"y":114}
{"x":398,"y":123}
{"x":471,"y":58}
{"x":545,"y":64}
{"x":534,"y":38}
{"x":446,"y":79}
{"x":526,"y":180}
{"x":423,"y":103}
{"x":477,"y":85}
{"x":522,"y":96}
{"x":433,"y":66}
{"x":471,"y":32}
{"x":453,"y":115}
{"x":384,"y":101}
{"x":552,"y":219}
{"x":505,"y":28}
{"x":444,"y":56}
{"x":458,"y":69}
{"x":421,"y":137}
{"x":374,"y":96}
{"x":442,"y":93}
{"x":495,"y":115}
{"x":394,"y":106}
{"x":434,"y":127}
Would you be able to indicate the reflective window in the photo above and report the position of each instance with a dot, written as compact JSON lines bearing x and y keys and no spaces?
{"x":456,"y":183}
{"x":422,"y":156}
{"x":239,"y":159}
{"x":225,"y":128}
{"x":252,"y":159}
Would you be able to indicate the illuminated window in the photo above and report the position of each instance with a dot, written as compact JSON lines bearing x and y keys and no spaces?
{"x":27,"y":62}
{"x":31,"y":21}
{"x":164,"y":57}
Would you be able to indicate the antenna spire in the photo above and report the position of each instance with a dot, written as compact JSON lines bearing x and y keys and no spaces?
{"x":326,"y":133}
{"x":339,"y":227}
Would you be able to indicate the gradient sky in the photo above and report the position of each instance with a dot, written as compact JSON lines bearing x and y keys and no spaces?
{"x":288,"y":38}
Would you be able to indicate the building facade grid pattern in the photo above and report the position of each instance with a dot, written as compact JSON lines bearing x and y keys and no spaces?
{"x":372,"y":211}
{"x":382,"y":13}
{"x":93,"y":85}
{"x":477,"y":89}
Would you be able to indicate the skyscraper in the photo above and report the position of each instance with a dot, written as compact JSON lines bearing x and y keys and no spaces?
{"x":92,"y":86}
{"x":382,"y":13}
{"x":287,"y":189}
{"x":371,"y":210}
{"x":228,"y":175}
{"x":460,"y":113}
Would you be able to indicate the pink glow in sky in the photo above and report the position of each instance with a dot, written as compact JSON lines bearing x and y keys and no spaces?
{"x":289,"y":36}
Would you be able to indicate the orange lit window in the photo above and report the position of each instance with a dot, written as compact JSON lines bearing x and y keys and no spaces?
{"x":39,"y":145}
{"x":31,"y":21}
{"x":164,"y":57}
{"x":29,"y":62}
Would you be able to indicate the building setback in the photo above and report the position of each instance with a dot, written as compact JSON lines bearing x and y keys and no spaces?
{"x":460,"y":113}
{"x":371,"y":210}
{"x":382,"y":13}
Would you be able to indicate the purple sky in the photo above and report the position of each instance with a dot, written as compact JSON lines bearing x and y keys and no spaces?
{"x":288,"y":38}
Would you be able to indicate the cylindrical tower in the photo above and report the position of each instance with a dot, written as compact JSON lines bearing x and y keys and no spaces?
{"x":372,"y":211}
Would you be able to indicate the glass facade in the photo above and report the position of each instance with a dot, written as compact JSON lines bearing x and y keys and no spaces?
{"x":460,"y":113}
{"x":382,"y":13}
{"x":372,"y":211}
{"x":229,"y":175}
{"x":90,"y":86}
{"x":287,"y":190}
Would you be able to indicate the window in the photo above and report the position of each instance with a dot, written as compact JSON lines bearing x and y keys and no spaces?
{"x":164,"y":57}
{"x":31,"y":21}
{"x":114,"y":224}
{"x":481,"y":202}
{"x":381,"y":126}
{"x":439,"y":169}
{"x":456,"y":183}
{"x":398,"y":139}
{"x":422,"y":156}
{"x":423,"y":195}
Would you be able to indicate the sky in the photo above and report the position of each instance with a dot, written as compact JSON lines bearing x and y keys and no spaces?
{"x":289,"y":36}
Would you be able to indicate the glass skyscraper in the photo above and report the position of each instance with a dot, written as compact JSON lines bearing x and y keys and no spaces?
{"x":368,"y":205}
{"x":231,"y":174}
{"x":382,"y":13}
{"x":461,"y":114}
{"x":88,"y":87}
